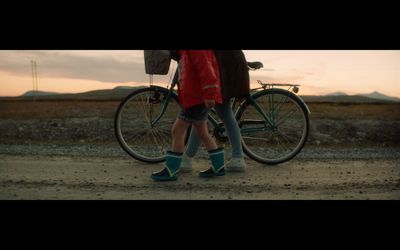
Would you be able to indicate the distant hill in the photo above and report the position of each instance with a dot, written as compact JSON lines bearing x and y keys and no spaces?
{"x":117,"y":93}
{"x":380,"y":96}
{"x":39,"y":93}
{"x":342,"y":97}
{"x":336,"y":93}
{"x":126,"y":87}
{"x":121,"y":92}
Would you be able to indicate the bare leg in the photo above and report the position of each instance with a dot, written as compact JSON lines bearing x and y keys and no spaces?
{"x":202,"y":132}
{"x":217,"y":155}
{"x":178,"y":132}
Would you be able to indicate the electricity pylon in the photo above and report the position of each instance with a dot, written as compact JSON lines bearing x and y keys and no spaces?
{"x":34,"y":79}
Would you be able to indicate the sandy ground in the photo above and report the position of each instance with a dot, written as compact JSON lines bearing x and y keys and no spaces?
{"x":68,"y":150}
{"x":77,"y":178}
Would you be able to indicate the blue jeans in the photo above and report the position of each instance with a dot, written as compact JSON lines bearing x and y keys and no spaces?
{"x":225,"y":112}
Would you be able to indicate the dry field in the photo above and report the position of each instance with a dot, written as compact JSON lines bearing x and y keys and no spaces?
{"x":92,"y":121}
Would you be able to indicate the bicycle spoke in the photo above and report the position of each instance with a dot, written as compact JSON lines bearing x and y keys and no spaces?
{"x":137,"y":135}
{"x":144,"y":110}
{"x":288,"y":139}
{"x":161,"y":148}
{"x":271,"y":106}
{"x":255,"y":138}
{"x":161,"y":138}
{"x":280,"y":103}
{"x":282,"y":145}
{"x":283,"y":119}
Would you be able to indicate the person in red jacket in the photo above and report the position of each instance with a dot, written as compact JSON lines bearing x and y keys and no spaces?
{"x":199,"y":90}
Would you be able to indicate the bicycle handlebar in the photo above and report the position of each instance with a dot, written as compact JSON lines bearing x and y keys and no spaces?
{"x":255,"y":65}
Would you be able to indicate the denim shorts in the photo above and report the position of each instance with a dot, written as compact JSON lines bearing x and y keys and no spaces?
{"x":194,"y":114}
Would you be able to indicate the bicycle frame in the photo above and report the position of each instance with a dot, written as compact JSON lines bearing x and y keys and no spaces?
{"x":165,"y":105}
{"x":268,"y":123}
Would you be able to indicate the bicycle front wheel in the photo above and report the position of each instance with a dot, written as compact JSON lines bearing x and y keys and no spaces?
{"x":143,"y":123}
{"x":274,"y":124}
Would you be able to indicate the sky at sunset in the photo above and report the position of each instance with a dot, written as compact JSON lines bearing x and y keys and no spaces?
{"x":319,"y":72}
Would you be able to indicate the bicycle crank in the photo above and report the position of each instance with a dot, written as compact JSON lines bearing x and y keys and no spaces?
{"x":220,"y":133}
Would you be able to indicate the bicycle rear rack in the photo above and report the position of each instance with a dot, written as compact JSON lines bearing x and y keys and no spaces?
{"x":291,"y":87}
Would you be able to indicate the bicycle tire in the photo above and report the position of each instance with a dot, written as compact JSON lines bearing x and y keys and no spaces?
{"x":258,"y":152}
{"x":145,"y":149}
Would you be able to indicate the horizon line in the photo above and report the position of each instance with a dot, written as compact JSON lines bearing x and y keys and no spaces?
{"x":327,"y":94}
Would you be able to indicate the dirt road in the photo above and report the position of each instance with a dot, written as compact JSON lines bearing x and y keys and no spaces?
{"x":26,"y":176}
{"x":68,"y":150}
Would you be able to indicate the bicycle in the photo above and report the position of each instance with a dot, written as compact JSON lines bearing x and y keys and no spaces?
{"x":274,"y":122}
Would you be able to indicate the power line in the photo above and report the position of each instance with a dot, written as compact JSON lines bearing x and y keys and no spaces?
{"x":34,"y":79}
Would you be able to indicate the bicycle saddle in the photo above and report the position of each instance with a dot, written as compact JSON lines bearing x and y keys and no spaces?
{"x":255,"y":65}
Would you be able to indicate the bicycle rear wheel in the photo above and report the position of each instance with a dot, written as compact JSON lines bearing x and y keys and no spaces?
{"x":134,"y":124}
{"x":274,"y":124}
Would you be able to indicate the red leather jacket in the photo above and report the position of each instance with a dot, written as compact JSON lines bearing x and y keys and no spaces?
{"x":199,"y":78}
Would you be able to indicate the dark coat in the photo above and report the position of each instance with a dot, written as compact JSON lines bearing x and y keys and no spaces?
{"x":234,"y":73}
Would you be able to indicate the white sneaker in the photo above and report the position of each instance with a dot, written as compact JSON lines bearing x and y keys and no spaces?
{"x":236,"y":165}
{"x":186,"y":165}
